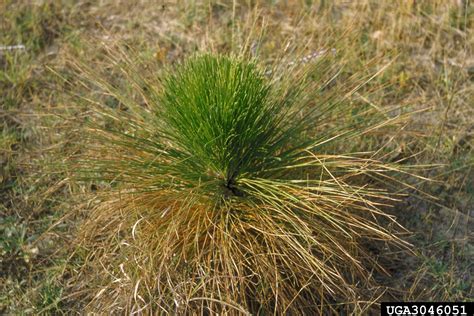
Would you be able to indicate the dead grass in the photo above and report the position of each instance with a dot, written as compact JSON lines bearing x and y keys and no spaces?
{"x":429,"y":45}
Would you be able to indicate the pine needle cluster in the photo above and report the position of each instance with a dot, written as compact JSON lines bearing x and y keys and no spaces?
{"x":226,"y":193}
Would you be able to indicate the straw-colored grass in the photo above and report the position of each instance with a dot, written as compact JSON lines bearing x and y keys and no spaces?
{"x":369,"y":62}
